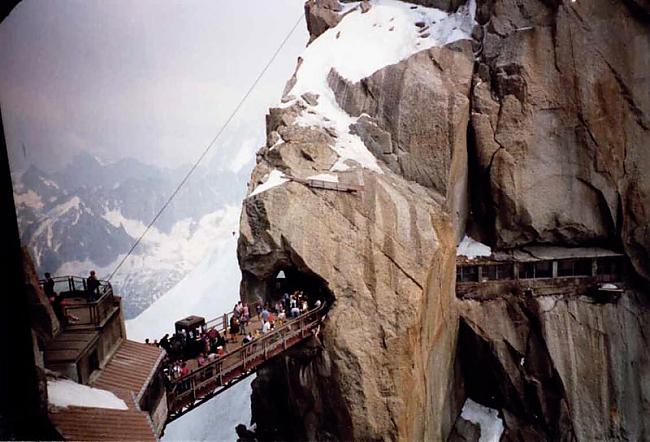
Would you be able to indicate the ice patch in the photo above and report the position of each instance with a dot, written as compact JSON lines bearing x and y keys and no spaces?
{"x":64,"y":393}
{"x":486,"y":418}
{"x":274,"y":179}
{"x":472,"y":249}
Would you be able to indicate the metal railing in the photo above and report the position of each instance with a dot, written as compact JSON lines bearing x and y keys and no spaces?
{"x":201,"y":384}
{"x":93,"y":308}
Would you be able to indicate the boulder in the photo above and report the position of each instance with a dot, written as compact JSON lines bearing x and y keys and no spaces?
{"x":321,"y":15}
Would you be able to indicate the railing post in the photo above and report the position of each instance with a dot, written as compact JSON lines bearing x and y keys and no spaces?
{"x":264,"y":347}
{"x":243,"y":355}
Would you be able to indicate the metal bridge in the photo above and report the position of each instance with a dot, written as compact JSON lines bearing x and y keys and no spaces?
{"x":203,"y":383}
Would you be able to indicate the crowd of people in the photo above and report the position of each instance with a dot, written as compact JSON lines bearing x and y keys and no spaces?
{"x":208,"y":344}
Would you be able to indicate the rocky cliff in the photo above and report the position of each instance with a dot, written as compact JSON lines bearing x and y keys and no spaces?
{"x":521,"y":123}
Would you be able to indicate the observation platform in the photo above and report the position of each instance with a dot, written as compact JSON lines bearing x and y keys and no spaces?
{"x":539,"y":271}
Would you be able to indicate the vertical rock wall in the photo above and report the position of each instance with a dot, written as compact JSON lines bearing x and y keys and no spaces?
{"x":547,"y":131}
{"x":561,"y":122}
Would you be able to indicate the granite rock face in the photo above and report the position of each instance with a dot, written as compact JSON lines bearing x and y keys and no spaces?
{"x":535,"y":132}
{"x":560,"y":368}
{"x":381,"y":254}
{"x":416,"y":116}
{"x":561,"y":123}
{"x":321,"y":15}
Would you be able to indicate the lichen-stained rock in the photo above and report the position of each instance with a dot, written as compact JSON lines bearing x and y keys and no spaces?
{"x":561,"y":123}
{"x":419,"y":109}
{"x":560,"y":368}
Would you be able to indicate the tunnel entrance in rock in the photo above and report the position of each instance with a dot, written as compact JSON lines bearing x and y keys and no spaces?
{"x":290,"y":280}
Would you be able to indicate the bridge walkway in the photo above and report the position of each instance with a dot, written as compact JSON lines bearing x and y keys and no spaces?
{"x":204,"y":383}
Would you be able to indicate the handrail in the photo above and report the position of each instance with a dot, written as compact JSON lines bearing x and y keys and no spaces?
{"x":90,"y":312}
{"x":234,"y":365}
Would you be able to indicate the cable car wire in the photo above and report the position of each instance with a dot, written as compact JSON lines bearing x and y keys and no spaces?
{"x":207,"y":149}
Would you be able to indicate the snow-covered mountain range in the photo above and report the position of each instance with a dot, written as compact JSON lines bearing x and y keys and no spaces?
{"x":88,"y":214}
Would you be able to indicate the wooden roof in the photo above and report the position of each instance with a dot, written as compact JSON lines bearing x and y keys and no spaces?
{"x":99,"y":424}
{"x":68,"y":346}
{"x":130,"y":368}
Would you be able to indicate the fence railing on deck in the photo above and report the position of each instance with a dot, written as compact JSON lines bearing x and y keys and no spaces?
{"x":205,"y":382}
{"x":80,"y":307}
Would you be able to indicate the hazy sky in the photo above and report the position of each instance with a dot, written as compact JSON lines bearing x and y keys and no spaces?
{"x":150,"y":79}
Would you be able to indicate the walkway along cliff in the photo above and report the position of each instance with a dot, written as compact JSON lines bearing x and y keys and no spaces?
{"x":524,"y":125}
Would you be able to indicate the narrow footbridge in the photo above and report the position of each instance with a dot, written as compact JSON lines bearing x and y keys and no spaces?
{"x":203,"y":383}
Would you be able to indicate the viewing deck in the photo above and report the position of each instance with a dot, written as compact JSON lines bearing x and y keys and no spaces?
{"x":80,"y":308}
{"x":538,"y":272}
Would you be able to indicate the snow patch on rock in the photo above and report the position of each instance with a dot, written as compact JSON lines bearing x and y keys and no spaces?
{"x":325,"y":177}
{"x":471,"y":249}
{"x":361,"y":44}
{"x":274,"y":179}
{"x":486,"y":418}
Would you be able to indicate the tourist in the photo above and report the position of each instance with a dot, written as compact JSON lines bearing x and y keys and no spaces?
{"x":146,"y":341}
{"x":212,"y":357}
{"x":243,"y":322}
{"x":164,"y":342}
{"x":318,"y":303}
{"x":266,"y":327}
{"x":246,"y":313}
{"x":294,"y":300}
{"x":155,"y":343}
{"x":201,"y":360}
{"x":305,"y":307}
{"x":295,"y":312}
{"x":234,"y":328}
{"x":258,"y":308}
{"x":265,"y":314}
{"x":248,"y":338}
{"x":48,"y":287}
{"x":185,"y":370}
{"x":92,"y":286}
